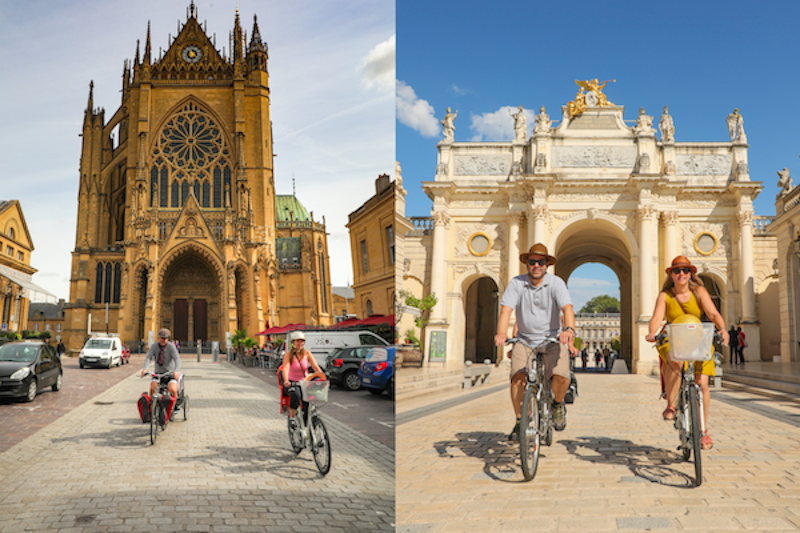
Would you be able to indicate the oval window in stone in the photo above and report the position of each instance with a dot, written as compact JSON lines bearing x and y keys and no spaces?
{"x":479,"y":244}
{"x":705,"y":243}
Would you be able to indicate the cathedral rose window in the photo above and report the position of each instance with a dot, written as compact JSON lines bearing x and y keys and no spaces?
{"x":190,"y":152}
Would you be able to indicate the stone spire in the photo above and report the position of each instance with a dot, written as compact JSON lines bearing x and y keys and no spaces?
{"x":257,"y":51}
{"x":147,"y":46}
{"x":238,"y":55}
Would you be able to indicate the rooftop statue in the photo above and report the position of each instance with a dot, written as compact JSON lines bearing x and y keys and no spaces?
{"x":520,"y":123}
{"x":593,"y":97}
{"x":784,"y":182}
{"x":736,"y":127}
{"x":667,"y":127}
{"x":448,"y":126}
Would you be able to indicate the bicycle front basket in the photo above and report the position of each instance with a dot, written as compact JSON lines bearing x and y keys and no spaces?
{"x":315,"y":392}
{"x":691,"y":342}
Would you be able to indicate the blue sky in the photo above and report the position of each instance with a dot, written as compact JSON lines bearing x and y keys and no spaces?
{"x":331,"y":67}
{"x":702,"y":59}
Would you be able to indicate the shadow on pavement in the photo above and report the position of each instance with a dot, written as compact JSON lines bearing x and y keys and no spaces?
{"x":134,"y":434}
{"x":645,"y":462}
{"x":500,"y":457}
{"x":278,"y":461}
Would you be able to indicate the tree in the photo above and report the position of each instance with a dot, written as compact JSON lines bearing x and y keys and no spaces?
{"x":424,"y":305}
{"x":601,"y":304}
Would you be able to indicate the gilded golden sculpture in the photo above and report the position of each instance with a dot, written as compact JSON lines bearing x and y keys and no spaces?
{"x":593,"y":97}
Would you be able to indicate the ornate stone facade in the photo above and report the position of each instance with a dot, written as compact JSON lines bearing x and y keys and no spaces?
{"x":592,"y":189}
{"x":176,"y":217}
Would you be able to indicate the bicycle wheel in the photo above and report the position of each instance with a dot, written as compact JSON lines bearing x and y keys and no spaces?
{"x":295,"y":437}
{"x":185,"y":406}
{"x":546,"y":417}
{"x":695,"y":435}
{"x":153,"y":421}
{"x":320,"y":445}
{"x":529,"y":434}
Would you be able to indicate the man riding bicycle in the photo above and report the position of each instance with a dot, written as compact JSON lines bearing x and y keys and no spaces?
{"x":166,"y":358}
{"x":539,"y":299}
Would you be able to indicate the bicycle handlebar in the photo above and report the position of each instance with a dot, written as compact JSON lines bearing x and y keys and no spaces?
{"x":546,"y":341}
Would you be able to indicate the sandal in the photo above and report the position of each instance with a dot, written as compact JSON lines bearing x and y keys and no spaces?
{"x":669,"y":413}
{"x":705,"y":441}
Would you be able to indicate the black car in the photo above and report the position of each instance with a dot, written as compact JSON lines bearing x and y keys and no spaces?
{"x":341,"y":366}
{"x":27,"y":367}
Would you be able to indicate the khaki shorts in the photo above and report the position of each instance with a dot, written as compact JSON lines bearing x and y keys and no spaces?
{"x":556,"y":360}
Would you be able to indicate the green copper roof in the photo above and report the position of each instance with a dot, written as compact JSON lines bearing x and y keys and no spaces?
{"x":289,"y":203}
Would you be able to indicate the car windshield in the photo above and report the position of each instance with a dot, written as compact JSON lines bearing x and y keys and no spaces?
{"x":335,"y":353}
{"x":18,"y":353}
{"x":377,"y":355}
{"x":102,"y":344}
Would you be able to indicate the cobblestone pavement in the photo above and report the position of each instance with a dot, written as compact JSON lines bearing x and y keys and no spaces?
{"x":227,"y":468}
{"x":614,"y":468}
{"x":19,"y":420}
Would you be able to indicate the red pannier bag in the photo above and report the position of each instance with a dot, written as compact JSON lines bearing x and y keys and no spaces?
{"x":284,"y":408}
{"x":144,"y":407}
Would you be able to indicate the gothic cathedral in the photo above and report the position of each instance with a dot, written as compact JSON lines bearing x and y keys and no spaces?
{"x":177,"y":209}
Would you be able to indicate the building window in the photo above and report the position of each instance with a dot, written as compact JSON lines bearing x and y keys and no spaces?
{"x":98,"y":284}
{"x":390,"y":239}
{"x":11,"y":234}
{"x":364,"y":260}
{"x":20,"y":256}
{"x":35,"y":326}
{"x":58,"y":328}
{"x":10,"y":251}
{"x":47,"y":326}
{"x":369,"y":308}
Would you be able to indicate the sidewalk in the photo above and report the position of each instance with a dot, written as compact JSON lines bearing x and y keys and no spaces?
{"x":227,"y":468}
{"x":615,"y":467}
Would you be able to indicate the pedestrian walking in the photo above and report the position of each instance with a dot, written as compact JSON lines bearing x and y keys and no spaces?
{"x":741,"y":345}
{"x":60,"y":349}
{"x":734,"y":343}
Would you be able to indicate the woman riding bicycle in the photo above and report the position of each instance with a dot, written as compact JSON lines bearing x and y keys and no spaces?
{"x":683,"y":293}
{"x":296,"y":363}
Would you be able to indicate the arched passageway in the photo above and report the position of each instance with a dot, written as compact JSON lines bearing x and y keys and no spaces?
{"x":481,"y":307}
{"x":190,"y":304}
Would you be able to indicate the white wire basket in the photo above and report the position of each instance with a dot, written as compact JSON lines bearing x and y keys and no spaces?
{"x":691,"y":342}
{"x":315,"y":392}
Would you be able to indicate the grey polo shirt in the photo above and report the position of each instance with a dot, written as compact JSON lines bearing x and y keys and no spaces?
{"x":172,"y":360}
{"x":538,"y":308}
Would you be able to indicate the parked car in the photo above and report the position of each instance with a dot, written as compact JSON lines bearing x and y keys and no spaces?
{"x":27,"y":367}
{"x":101,"y":350}
{"x":126,"y":355}
{"x":377,"y":370}
{"x":342,"y":364}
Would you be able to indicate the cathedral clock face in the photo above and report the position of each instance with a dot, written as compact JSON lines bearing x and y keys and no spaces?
{"x":192,"y":54}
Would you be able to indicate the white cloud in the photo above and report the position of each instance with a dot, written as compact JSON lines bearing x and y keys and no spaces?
{"x":379,"y":66}
{"x":458,"y":90}
{"x":499,"y":125}
{"x":581,"y":290}
{"x":414,"y":112}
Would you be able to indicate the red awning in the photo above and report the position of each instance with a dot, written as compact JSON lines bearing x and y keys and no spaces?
{"x":280,"y":330}
{"x":372,"y":320}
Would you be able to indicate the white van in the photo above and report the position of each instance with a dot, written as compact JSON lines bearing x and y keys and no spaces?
{"x":101,"y":350}
{"x":322,"y":343}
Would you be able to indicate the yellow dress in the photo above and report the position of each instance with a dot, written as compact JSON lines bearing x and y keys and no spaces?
{"x":673,"y":311}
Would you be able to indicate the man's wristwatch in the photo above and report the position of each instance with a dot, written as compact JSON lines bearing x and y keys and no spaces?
{"x":569,"y":328}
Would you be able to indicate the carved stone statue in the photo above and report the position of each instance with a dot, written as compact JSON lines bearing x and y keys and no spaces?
{"x":543,"y":122}
{"x":398,"y":174}
{"x":667,"y":127}
{"x":593,"y":97}
{"x":736,"y":127}
{"x":448,"y":126}
{"x":644,"y":123}
{"x":784,"y":182}
{"x":520,"y":124}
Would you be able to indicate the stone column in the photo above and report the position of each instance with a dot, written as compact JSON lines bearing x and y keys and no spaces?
{"x":515,"y":219}
{"x":745,"y":219}
{"x":648,"y":275}
{"x":671,"y":244}
{"x":441,"y":221}
{"x":540,"y":214}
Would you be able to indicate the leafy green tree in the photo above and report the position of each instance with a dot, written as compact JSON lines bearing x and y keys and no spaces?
{"x":424,"y":305}
{"x":601,"y":304}
{"x":616,"y":345}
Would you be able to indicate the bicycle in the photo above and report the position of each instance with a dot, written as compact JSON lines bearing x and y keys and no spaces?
{"x":156,"y":409}
{"x":536,"y":422}
{"x":690,"y":343}
{"x":301,"y":435}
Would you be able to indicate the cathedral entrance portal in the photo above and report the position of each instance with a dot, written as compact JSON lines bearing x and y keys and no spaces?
{"x":481,"y":317}
{"x":191,"y":302}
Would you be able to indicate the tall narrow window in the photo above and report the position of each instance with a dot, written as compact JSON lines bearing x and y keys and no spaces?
{"x":184,"y":192}
{"x":196,"y":186}
{"x":153,"y":186}
{"x":206,"y":194}
{"x":217,"y":187}
{"x":98,"y":284}
{"x":175,"y":194}
{"x":364,"y":260}
{"x":164,"y":187}
{"x":390,"y":240}
{"x":107,"y":284}
{"x":227,"y":174}
{"x":117,"y":281}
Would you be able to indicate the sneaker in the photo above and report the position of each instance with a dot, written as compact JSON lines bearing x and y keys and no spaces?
{"x":293,"y":423}
{"x":559,"y":416}
{"x":514,"y":435}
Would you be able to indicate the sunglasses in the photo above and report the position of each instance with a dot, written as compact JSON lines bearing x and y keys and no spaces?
{"x":684,"y":270}
{"x":534,"y":262}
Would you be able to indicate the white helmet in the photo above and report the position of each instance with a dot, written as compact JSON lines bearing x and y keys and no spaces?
{"x":297,"y":335}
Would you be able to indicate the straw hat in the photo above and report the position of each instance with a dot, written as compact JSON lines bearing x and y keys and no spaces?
{"x":538,"y":249}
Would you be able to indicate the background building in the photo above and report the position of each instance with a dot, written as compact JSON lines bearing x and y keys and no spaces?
{"x":17,"y":289}
{"x":344,"y":302}
{"x":176,"y":212}
{"x":597,"y":329}
{"x":372,"y":245}
{"x":44,"y":316}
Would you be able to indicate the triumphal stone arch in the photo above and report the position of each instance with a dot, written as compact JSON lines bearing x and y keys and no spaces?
{"x":592,"y":187}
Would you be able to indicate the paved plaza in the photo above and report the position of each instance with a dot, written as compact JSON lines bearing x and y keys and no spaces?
{"x":228,"y":468}
{"x":614,"y":468}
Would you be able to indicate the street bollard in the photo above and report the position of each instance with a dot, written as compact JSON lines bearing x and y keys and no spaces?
{"x":199,"y":349}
